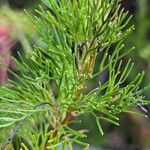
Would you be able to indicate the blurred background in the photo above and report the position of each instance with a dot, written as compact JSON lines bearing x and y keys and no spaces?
{"x":17,"y":33}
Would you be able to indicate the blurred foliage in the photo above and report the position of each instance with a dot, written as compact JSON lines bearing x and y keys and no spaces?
{"x":140,"y":9}
{"x":19,"y":4}
{"x":20,"y":24}
{"x":141,"y":40}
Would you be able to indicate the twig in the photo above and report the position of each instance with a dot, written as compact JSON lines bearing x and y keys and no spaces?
{"x":12,"y":134}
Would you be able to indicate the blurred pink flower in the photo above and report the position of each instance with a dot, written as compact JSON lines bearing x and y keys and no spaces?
{"x":6,"y":44}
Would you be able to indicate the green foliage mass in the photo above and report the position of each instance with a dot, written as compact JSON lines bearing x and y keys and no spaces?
{"x":49,"y":91}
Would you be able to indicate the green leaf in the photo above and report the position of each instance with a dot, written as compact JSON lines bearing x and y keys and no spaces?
{"x":99,"y":126}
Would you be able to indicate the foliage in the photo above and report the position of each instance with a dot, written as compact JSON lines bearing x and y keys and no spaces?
{"x":20,"y":24}
{"x":142,"y":29}
{"x":49,"y":91}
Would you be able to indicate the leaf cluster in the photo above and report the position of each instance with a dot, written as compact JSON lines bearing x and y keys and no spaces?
{"x":52,"y":79}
